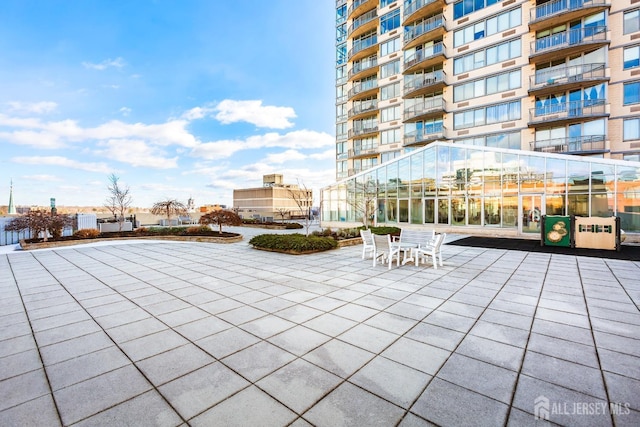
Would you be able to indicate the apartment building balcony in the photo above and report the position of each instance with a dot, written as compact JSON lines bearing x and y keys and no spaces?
{"x":588,"y":144}
{"x":363,"y":109}
{"x":364,"y":68}
{"x":363,"y":48}
{"x":358,"y":7}
{"x":363,"y":152}
{"x":364,"y":131}
{"x":364,"y":89}
{"x":425,"y":58}
{"x":421,"y":84}
{"x":563,"y":79}
{"x":424,"y":31}
{"x":566,"y":43}
{"x":363,"y":23}
{"x":342,"y":156}
{"x":429,"y":108}
{"x":568,"y":112}
{"x":557,"y":12}
{"x":424,"y":136}
{"x":415,"y":10}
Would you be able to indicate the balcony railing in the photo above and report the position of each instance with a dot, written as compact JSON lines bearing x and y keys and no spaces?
{"x":362,"y":131}
{"x":362,"y":44}
{"x":363,"y":152}
{"x":556,"y":7}
{"x":425,"y":26}
{"x":356,"y":4}
{"x":430,"y":133}
{"x":563,"y":75}
{"x":423,"y":80}
{"x":571,"y":145}
{"x":567,"y":110}
{"x":365,"y":64}
{"x":427,"y":106}
{"x":412,"y":6}
{"x":363,"y":87}
{"x":569,"y":38}
{"x":423,"y":54}
{"x":363,"y":107}
{"x":363,"y":19}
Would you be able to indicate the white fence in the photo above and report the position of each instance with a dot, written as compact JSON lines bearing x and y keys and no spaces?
{"x":11,"y":238}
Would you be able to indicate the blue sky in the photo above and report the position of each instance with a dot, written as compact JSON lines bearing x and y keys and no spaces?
{"x":178,"y":98}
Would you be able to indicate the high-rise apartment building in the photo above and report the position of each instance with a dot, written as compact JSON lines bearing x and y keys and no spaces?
{"x":555,"y":76}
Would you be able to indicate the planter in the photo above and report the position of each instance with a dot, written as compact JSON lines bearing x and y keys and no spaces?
{"x":349,"y":242}
{"x":60,"y":243}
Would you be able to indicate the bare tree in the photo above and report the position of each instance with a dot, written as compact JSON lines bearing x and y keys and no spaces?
{"x":363,"y":201}
{"x":303,"y":198}
{"x":283,"y":212}
{"x":221,"y":217}
{"x":119,"y":199}
{"x":169,"y":208}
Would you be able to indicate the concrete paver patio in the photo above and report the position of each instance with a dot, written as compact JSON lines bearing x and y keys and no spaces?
{"x":168,"y":334}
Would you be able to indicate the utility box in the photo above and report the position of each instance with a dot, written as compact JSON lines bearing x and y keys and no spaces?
{"x":556,"y":230}
{"x":597,"y":232}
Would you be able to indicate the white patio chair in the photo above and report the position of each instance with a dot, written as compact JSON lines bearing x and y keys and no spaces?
{"x":368,"y":246}
{"x":430,"y":249}
{"x":385,"y":249}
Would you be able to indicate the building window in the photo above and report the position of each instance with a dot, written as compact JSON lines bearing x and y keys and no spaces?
{"x":390,"y":69}
{"x":632,"y":57}
{"x":390,"y":21}
{"x":632,"y":21}
{"x":389,"y":91}
{"x":390,"y":46}
{"x":390,"y":136}
{"x":390,"y":114}
{"x":465,"y":7}
{"x":489,"y":56}
{"x":488,"y":27}
{"x":487,"y":115}
{"x":631,"y":129}
{"x":494,"y":84}
{"x":341,"y":54}
{"x":631,"y":93}
{"x":385,"y":3}
{"x":389,"y":155}
{"x":341,"y":14}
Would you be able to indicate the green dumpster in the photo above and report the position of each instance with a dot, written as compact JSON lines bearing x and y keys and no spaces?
{"x":557,"y":230}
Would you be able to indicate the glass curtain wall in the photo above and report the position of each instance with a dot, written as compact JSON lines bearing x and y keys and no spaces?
{"x":456,"y":185}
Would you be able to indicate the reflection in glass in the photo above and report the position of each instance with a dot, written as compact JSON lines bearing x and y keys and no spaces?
{"x":475,"y":210}
{"x":416,"y":211}
{"x":492,"y":210}
{"x":443,"y":211}
{"x":403,"y":210}
{"x":510,"y":211}
{"x":554,"y":204}
{"x":392,"y":205}
{"x":457,"y":211}
{"x":578,"y":204}
{"x":429,"y":211}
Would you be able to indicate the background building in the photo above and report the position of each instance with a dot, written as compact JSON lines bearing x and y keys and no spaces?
{"x":559,"y":76}
{"x":274,"y":200}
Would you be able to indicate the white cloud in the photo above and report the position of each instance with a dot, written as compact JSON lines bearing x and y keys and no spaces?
{"x":325,"y":155}
{"x":230,"y":111}
{"x":42,"y":107}
{"x":136,"y":153}
{"x":62,"y":161}
{"x":296,"y":140}
{"x":116,"y":63}
{"x":285,"y":156}
{"x":125,"y":111}
{"x":42,"y":177}
{"x":195,"y":113}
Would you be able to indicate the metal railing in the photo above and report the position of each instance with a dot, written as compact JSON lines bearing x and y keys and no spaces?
{"x":429,"y":105}
{"x":363,"y":152}
{"x":428,"y":134}
{"x":362,"y":44}
{"x":556,"y":7}
{"x":365,"y":64}
{"x":592,"y":107}
{"x":423,"y":27}
{"x":563,"y":75}
{"x":356,"y":4}
{"x":571,"y":145}
{"x":423,"y":80}
{"x":363,"y":107}
{"x":421,"y":55}
{"x":363,"y":87}
{"x":569,"y":38}
{"x":361,"y":20}
{"x":362,"y":131}
{"x":412,"y":6}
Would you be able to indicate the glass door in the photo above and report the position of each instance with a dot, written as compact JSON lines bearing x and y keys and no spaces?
{"x":532,"y":207}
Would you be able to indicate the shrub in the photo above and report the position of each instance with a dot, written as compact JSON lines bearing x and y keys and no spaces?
{"x":292,"y":226}
{"x":394,"y":231}
{"x":87,"y":233}
{"x":293,"y":242}
{"x":202,"y":229}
